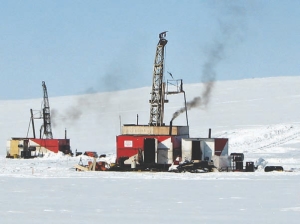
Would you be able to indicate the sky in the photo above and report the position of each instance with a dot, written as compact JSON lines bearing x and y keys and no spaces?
{"x":81,"y":47}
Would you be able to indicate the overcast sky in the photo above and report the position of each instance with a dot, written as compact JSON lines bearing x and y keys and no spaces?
{"x":94,"y":46}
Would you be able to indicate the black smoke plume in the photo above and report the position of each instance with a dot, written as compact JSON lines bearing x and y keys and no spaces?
{"x":189,"y":105}
{"x":231,"y":26}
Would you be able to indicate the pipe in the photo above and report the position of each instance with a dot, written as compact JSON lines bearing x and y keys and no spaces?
{"x":32,"y":121}
{"x":137,"y":119}
{"x":186,"y":115}
{"x":65,"y":133}
{"x":209,"y":133}
{"x":42,"y":127}
{"x":170,"y":128}
{"x":181,"y":86}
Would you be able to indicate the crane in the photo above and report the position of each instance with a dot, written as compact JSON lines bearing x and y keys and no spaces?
{"x":158,"y":86}
{"x":46,"y":114}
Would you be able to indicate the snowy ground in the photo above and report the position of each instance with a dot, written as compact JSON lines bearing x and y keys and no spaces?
{"x":50,"y":191}
{"x":259,"y":116}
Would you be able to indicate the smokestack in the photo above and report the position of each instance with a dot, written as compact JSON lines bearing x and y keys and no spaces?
{"x":65,"y":133}
{"x":170,"y":128}
{"x":137,"y":119}
{"x":209,"y":133}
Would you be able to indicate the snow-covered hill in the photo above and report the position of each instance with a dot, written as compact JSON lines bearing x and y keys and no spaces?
{"x":259,"y":116}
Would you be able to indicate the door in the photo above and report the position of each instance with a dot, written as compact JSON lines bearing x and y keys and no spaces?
{"x":196,"y":150}
{"x":149,"y":150}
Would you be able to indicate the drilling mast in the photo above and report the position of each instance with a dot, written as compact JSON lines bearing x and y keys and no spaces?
{"x":46,"y":114}
{"x":158,"y":86}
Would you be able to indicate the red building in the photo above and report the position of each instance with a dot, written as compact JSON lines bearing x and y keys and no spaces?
{"x":150,"y":144}
{"x":27,"y":147}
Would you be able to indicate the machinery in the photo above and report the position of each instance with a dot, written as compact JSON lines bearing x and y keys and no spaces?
{"x":158,"y":100}
{"x":46,"y":115}
{"x":28,"y":147}
{"x":157,"y":146}
{"x":152,"y":145}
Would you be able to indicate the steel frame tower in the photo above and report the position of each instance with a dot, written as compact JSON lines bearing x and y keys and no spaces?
{"x":158,"y":86}
{"x":46,"y":114}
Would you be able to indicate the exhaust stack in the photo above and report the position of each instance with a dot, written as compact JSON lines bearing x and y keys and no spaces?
{"x":209,"y":133}
{"x":170,"y":128}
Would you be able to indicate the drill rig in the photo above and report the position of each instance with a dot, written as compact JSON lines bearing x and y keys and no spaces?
{"x":46,"y":114}
{"x":158,"y":86}
{"x":154,"y":145}
{"x":28,"y":147}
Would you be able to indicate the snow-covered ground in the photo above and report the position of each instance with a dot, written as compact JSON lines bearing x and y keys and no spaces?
{"x":259,"y":116}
